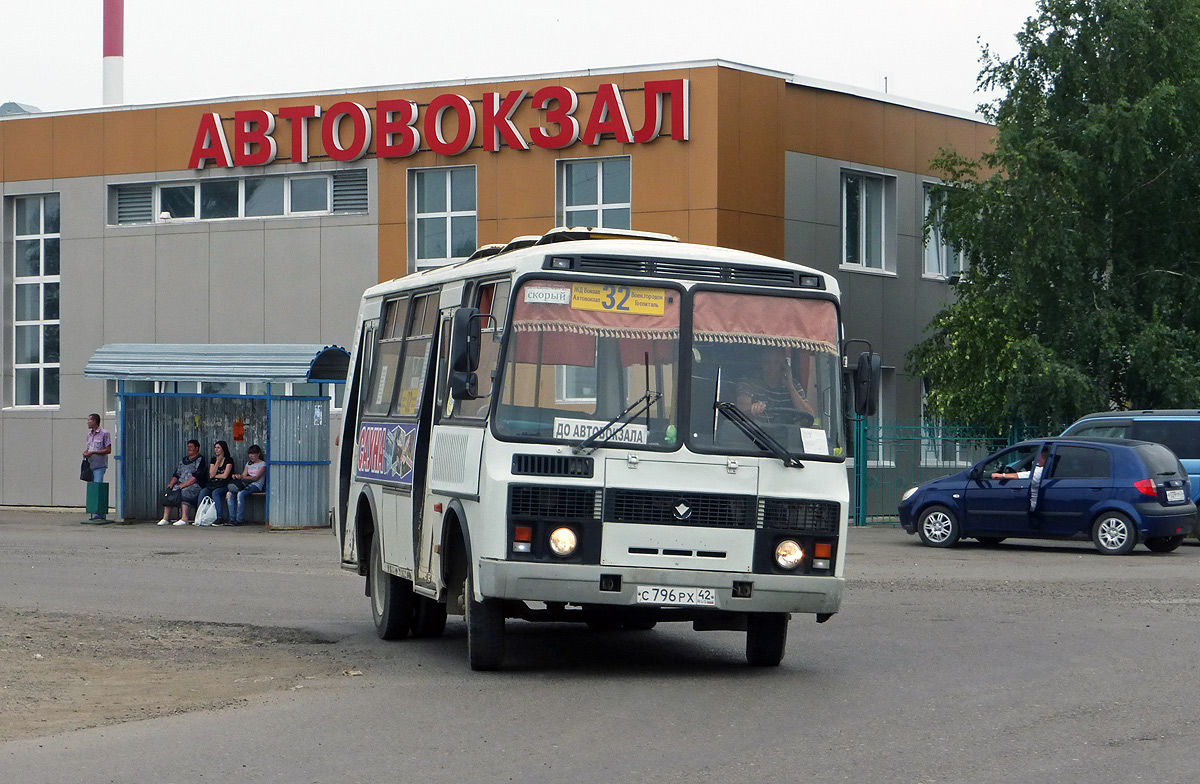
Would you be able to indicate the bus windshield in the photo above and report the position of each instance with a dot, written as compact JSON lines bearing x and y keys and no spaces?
{"x":580,"y":354}
{"x":776,"y":360}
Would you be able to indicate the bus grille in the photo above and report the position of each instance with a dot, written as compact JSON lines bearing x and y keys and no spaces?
{"x":541,"y":502}
{"x":553,"y":465}
{"x":811,"y":516}
{"x":656,"y":508}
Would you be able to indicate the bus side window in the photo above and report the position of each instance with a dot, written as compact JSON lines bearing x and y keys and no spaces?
{"x":492,"y":300}
{"x":418,"y":337}
{"x":386,"y":360}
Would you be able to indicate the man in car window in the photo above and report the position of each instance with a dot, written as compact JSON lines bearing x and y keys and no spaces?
{"x":1034,"y":475}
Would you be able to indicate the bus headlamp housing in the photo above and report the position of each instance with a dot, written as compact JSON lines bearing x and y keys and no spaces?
{"x":788,"y":554}
{"x":563,"y":541}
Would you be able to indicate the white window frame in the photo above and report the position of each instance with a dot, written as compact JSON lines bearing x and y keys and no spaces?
{"x":41,"y":279}
{"x":415,"y":213}
{"x":947,"y":261}
{"x":561,"y":387}
{"x":159,"y":216}
{"x":885,"y":262}
{"x":601,"y":206}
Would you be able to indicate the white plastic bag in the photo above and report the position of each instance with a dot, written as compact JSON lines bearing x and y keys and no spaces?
{"x":206,"y":512}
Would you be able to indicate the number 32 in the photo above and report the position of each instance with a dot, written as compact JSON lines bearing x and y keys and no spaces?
{"x":612,"y":293}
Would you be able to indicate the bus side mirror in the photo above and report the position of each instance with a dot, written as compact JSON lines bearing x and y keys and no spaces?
{"x":465,"y":338}
{"x":866,"y":384}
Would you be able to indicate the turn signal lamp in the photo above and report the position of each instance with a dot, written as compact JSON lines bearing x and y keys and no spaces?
{"x":1146,"y":487}
{"x":522,"y":537}
{"x":822,"y":550}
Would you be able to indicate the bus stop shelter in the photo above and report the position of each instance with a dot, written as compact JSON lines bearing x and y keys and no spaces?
{"x":275,"y":395}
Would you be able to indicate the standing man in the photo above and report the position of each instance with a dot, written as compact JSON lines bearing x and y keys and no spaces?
{"x":96,"y":449}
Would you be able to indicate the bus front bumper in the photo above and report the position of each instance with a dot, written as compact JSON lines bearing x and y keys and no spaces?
{"x":583,"y":584}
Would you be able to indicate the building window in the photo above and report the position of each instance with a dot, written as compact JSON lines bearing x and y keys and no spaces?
{"x":35,"y":356}
{"x":863,"y":222}
{"x":442,"y":208}
{"x":594,"y":193}
{"x":575,"y":384}
{"x":275,"y":196}
{"x":942,"y":260}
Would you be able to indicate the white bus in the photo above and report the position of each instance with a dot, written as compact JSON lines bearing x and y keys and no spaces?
{"x":607,"y":427}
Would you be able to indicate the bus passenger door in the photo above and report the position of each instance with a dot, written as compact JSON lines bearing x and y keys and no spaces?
{"x":431,"y":518}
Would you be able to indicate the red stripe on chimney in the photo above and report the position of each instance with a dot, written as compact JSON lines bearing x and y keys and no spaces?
{"x":114,"y":28}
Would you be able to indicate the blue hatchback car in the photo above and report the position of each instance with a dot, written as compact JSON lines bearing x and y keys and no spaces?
{"x":1118,"y":492}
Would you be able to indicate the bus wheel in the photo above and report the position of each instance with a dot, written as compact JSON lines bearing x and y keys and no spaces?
{"x":429,"y":617}
{"x":391,"y":598}
{"x":766,"y":637}
{"x":485,"y":627}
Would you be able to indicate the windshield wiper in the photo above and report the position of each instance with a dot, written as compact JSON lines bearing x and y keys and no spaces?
{"x":632,"y":411}
{"x":761,"y":438}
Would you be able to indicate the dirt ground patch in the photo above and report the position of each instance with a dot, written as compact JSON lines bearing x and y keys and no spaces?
{"x":64,"y":672}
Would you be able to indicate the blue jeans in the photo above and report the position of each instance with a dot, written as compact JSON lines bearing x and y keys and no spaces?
{"x":217,"y":494}
{"x":240,"y":509}
{"x":98,"y":476}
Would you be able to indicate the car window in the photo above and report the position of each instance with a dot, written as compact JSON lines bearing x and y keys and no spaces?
{"x":1081,"y":462}
{"x":1158,"y":460}
{"x":1180,"y":436}
{"x":1019,"y":458}
{"x":1102,"y":430}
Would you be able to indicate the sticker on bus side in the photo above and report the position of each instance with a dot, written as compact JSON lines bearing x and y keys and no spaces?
{"x":634,"y":300}
{"x":385,"y":452}
{"x":579,"y":429}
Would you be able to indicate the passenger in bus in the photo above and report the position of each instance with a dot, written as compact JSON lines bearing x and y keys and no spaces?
{"x":252,"y":479}
{"x":771,"y":395}
{"x":188,"y":479}
{"x":220,"y":471}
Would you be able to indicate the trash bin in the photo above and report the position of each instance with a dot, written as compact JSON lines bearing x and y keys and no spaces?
{"x":97,"y":498}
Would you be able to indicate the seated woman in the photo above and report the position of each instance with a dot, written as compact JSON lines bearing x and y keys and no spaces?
{"x":189,"y":480}
{"x":771,"y":396}
{"x":253,"y":479}
{"x":220,"y":471}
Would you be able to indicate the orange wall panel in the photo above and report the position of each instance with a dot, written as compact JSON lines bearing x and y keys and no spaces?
{"x":130,"y":142}
{"x":29,"y":149}
{"x":79,"y":150}
{"x":3,"y":131}
{"x":393,"y":255}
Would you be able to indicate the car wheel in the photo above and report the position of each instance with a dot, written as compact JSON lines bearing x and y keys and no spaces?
{"x":391,"y":598}
{"x":1114,"y":534}
{"x":1163,"y":544}
{"x":766,"y":638}
{"x":990,"y":541}
{"x":938,"y":527}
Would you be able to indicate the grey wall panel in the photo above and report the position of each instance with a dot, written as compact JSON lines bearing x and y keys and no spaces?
{"x":349,"y":264}
{"x":293,"y":285}
{"x":67,"y":437}
{"x":181,"y":287}
{"x":129,"y":272}
{"x":81,"y":301}
{"x":83,"y":201}
{"x":237,"y":292}
{"x":28,"y":459}
{"x":800,"y":197}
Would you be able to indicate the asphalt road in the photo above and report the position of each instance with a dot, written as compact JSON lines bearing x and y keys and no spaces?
{"x":1024,"y":663}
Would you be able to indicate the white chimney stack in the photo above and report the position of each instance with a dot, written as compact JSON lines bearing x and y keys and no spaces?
{"x":114,"y":51}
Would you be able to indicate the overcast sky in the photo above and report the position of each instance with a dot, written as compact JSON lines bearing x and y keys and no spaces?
{"x":178,"y":50}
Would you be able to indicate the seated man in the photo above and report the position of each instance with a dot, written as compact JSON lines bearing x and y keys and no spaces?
{"x":252,"y":479}
{"x":771,"y":396}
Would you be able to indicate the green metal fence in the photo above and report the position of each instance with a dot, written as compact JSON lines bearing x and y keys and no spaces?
{"x":891,"y":456}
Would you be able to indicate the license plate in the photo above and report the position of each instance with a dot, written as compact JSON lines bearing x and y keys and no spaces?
{"x":1174,"y":496}
{"x":690,"y":597}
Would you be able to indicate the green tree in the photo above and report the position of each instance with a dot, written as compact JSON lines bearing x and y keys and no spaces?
{"x":1082,"y":225}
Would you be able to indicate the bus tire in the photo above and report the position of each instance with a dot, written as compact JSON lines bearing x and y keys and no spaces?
{"x":429,"y":617}
{"x":766,"y":638}
{"x":391,"y":598}
{"x":485,"y":627}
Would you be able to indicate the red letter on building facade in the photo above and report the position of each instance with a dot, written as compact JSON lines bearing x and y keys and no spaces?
{"x":403,"y":125}
{"x":497,"y":121}
{"x":608,"y":116}
{"x":562,"y":115}
{"x":252,"y":129}
{"x":210,"y":143}
{"x":433,"y":124}
{"x":677,"y":91}
{"x":299,"y":116}
{"x":332,"y":123}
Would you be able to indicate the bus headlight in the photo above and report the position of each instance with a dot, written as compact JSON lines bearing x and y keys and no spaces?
{"x":563,"y":541}
{"x":788,"y":554}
